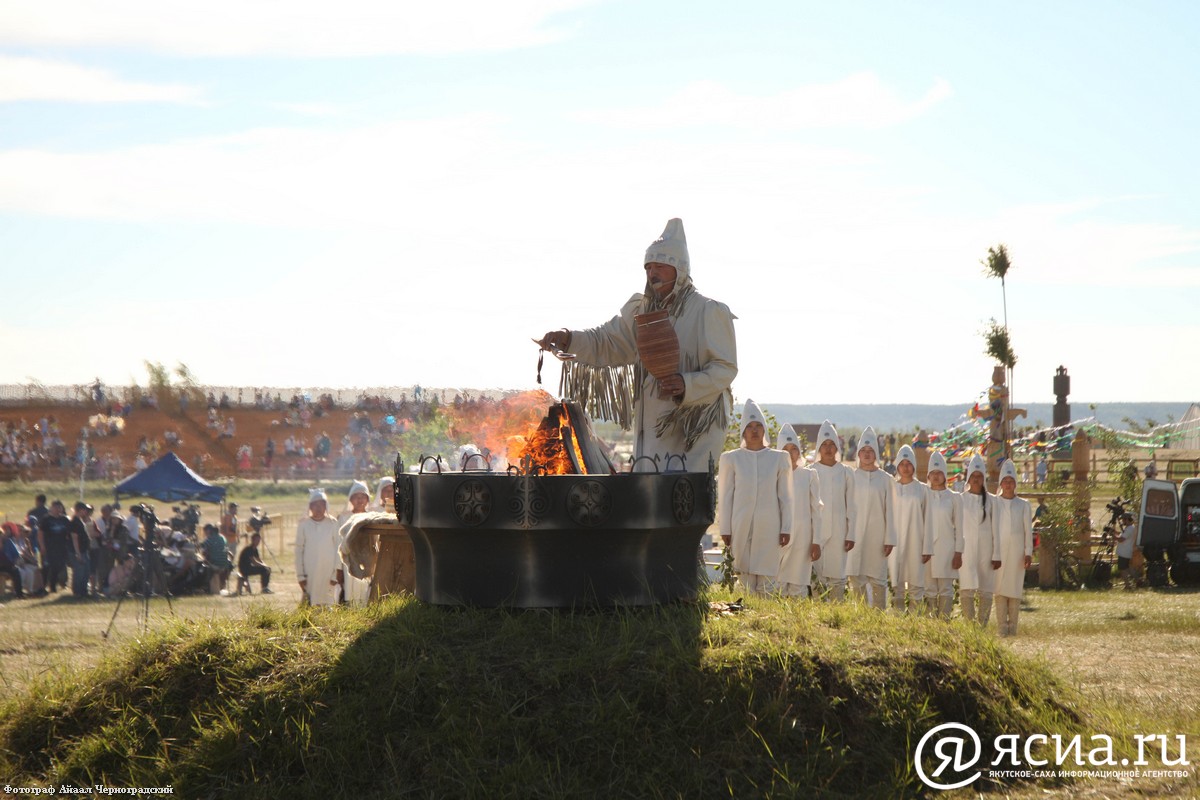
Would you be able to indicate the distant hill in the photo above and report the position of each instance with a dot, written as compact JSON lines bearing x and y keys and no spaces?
{"x":906,"y":416}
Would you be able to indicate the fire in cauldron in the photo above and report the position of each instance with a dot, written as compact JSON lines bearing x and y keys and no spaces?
{"x":564,"y":443}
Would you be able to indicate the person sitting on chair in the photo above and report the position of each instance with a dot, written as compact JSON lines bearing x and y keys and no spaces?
{"x":250,"y":563}
{"x":216,"y":552}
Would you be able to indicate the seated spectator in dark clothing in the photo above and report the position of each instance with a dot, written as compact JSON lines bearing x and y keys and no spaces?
{"x":10,"y":559}
{"x":216,"y":552}
{"x":250,"y":563}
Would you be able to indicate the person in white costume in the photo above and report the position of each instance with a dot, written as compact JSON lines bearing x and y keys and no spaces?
{"x":977,"y":522}
{"x":385,"y":495}
{"x":943,"y":546}
{"x":686,"y":413}
{"x":797,"y":558}
{"x":1012,"y":550}
{"x":356,"y":590}
{"x":837,"y":504}
{"x":317,"y":561}
{"x":873,"y":524}
{"x":754,"y":507}
{"x":906,"y":566}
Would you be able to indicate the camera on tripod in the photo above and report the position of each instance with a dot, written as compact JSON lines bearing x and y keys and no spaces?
{"x":258,"y":519}
{"x":186,"y":518}
{"x":145,"y":513}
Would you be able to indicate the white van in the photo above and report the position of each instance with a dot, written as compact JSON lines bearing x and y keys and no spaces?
{"x":1169,"y":531}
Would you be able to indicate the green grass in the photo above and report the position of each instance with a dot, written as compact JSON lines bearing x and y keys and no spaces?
{"x":785,"y":699}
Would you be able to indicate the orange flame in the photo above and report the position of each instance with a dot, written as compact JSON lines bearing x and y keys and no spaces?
{"x":519,"y":426}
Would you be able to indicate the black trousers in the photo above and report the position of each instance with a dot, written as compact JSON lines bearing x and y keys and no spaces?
{"x":54,"y":573}
{"x":264,"y":571}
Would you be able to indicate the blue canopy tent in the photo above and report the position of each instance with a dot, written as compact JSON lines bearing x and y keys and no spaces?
{"x":169,"y":479}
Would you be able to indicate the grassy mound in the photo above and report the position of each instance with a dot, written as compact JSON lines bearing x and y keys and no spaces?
{"x":783,"y":699}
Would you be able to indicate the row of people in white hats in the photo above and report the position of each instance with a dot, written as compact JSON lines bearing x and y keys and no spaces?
{"x":320,"y":569}
{"x":788,"y":523}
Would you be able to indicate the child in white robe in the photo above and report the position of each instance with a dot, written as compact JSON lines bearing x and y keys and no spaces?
{"x":754,"y":509}
{"x":977,"y":521}
{"x":905,"y":565}
{"x":943,"y":546}
{"x":797,"y":558}
{"x":1012,"y":551}
{"x":873,"y":525}
{"x":355,"y":590}
{"x":833,"y":478}
{"x":318,"y":565}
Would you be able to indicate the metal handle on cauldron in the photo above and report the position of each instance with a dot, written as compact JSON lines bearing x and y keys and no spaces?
{"x":634,"y":461}
{"x":437,"y":462}
{"x":487,"y":466}
{"x":682,"y":462}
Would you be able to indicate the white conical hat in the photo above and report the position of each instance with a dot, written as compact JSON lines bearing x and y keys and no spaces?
{"x":1008,"y":469}
{"x":868,"y":439}
{"x":787,"y":435}
{"x":937,"y":462}
{"x":317,"y":494}
{"x":752,"y":413}
{"x":828,"y":433}
{"x":388,"y":481}
{"x":671,"y":249}
{"x":905,"y":453}
{"x":358,"y":487}
{"x":976,"y":465}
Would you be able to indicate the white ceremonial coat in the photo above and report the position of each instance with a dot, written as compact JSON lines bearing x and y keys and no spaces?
{"x":754,"y":488}
{"x":317,"y":559}
{"x":836,"y":504}
{"x":905,"y":564}
{"x":943,"y":536}
{"x":795,"y":560}
{"x":872,"y":523}
{"x":1013,"y":541}
{"x":707,"y":362}
{"x":978,"y":540}
{"x":357,"y":589}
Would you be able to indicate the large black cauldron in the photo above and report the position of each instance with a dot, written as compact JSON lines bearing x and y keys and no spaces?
{"x":538,"y":541}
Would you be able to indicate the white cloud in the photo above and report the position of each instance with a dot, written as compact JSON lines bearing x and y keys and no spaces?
{"x":39,"y":79}
{"x":291,"y":28}
{"x":859,"y":100}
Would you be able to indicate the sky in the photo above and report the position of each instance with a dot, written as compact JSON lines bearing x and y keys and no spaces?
{"x":380,"y":193}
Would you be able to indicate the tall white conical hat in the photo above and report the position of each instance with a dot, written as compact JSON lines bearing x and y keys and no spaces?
{"x":976,"y":465}
{"x":787,"y":435}
{"x":1008,"y":469}
{"x":828,"y":433}
{"x":937,"y":462}
{"x":752,"y":413}
{"x":868,"y":439}
{"x":317,"y":494}
{"x":671,"y":249}
{"x":906,"y":454}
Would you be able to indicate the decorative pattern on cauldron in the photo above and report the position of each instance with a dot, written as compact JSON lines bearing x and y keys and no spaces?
{"x":589,"y":503}
{"x":404,"y":492}
{"x":529,"y":503}
{"x":472,"y":502}
{"x":683,"y":500}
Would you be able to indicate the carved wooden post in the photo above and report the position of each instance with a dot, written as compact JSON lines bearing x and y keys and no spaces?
{"x":1081,"y":456}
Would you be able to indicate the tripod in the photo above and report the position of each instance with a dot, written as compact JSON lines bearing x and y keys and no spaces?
{"x":147,"y":568}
